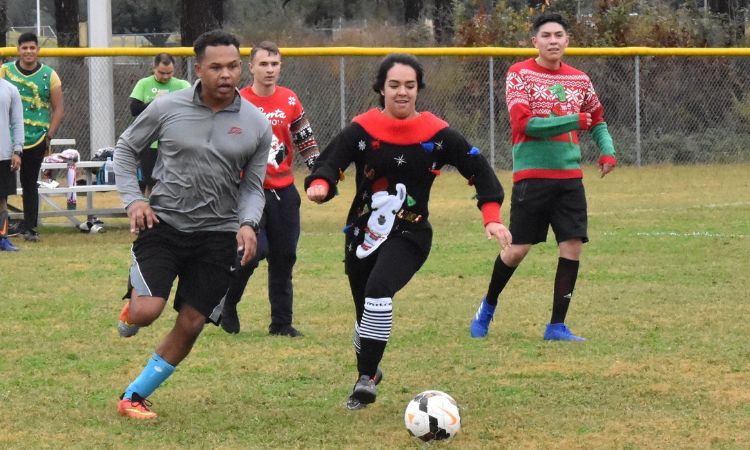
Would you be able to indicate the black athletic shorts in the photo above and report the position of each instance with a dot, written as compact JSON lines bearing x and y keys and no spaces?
{"x":538,"y":203}
{"x":202,"y":260}
{"x":7,"y":179}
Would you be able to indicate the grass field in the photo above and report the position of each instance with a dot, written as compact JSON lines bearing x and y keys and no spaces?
{"x":662,"y":297}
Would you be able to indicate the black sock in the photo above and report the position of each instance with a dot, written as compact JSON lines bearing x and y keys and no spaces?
{"x":500,"y":276}
{"x":370,"y":355}
{"x":565,"y":283}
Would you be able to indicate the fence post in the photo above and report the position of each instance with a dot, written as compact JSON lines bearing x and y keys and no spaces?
{"x":101,"y":94}
{"x":342,"y":91}
{"x":492,"y":111}
{"x":638,"y":110}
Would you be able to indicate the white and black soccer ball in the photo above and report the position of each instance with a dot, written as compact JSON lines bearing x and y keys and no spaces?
{"x":432,"y":416}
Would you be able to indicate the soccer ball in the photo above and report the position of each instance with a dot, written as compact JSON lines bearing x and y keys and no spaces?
{"x":432,"y":416}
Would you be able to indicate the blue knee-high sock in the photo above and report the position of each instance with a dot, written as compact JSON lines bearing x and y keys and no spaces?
{"x":154,"y":374}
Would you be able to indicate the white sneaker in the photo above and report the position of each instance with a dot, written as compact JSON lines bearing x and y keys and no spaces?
{"x":51,"y":184}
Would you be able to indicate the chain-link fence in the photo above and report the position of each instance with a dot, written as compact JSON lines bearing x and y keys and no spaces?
{"x":680,"y":110}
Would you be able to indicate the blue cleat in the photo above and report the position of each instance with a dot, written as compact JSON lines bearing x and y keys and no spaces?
{"x":7,"y":246}
{"x":481,"y":324}
{"x":560,"y":332}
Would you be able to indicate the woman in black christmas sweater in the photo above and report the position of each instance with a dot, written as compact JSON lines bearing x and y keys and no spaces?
{"x":397,"y":152}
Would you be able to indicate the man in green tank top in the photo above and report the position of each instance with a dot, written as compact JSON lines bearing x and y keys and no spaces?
{"x":43,"y":110}
{"x":162,"y":82}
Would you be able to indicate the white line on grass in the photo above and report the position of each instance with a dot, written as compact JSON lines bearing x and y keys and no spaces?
{"x":699,"y":234}
{"x":668,"y":209}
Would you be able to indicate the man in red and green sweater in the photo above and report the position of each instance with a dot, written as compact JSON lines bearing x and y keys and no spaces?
{"x":279,"y":229}
{"x":548,"y":102}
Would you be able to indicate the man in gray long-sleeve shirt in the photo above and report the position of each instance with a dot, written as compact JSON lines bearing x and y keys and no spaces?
{"x":202,"y":213}
{"x":11,"y":120}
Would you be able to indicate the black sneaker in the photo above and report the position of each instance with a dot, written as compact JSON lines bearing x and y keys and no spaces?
{"x":230,"y":322}
{"x":15,"y":228}
{"x":354,"y":403}
{"x":283,"y":330}
{"x":365,"y":390}
{"x":31,"y":235}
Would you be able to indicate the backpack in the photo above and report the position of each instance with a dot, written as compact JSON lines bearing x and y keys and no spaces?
{"x":101,"y":155}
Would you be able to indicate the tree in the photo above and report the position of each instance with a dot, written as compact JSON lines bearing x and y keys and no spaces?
{"x":154,"y":19}
{"x":321,"y":16}
{"x":199,"y":16}
{"x":66,"y":21}
{"x":412,"y":10}
{"x":3,"y":23}
{"x":442,"y":20}
{"x":325,"y":12}
{"x":732,"y":14}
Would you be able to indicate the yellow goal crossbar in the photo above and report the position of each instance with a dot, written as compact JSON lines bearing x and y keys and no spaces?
{"x":381,"y":51}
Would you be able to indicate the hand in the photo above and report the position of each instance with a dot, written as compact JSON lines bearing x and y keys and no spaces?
{"x":317,"y":193}
{"x":141,"y":216}
{"x":47,"y":144}
{"x":247,"y":243}
{"x":605,"y":169}
{"x":499,"y":232}
{"x":15,"y":162}
{"x":588,"y":120}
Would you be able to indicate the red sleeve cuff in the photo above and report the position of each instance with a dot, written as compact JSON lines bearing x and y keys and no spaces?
{"x":608,"y":159}
{"x":582,"y":122}
{"x":321,"y":182}
{"x":491,"y":213}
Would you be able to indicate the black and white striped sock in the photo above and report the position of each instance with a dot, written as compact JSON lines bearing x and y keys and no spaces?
{"x":377,"y":319}
{"x":357,"y":345}
{"x":374,"y":332}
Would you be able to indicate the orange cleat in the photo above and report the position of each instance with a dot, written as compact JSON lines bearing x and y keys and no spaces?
{"x":123,"y":327}
{"x":136,"y":408}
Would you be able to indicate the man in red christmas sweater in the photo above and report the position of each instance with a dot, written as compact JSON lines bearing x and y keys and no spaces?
{"x":549,"y":102}
{"x":279,"y":228}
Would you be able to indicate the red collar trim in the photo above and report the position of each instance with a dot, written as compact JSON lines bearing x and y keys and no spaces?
{"x":400,"y":132}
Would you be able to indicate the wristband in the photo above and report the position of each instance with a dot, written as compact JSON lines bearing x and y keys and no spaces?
{"x":250,"y":223}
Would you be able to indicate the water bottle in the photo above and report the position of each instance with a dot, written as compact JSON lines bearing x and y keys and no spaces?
{"x":109,"y":171}
{"x":72,"y":196}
